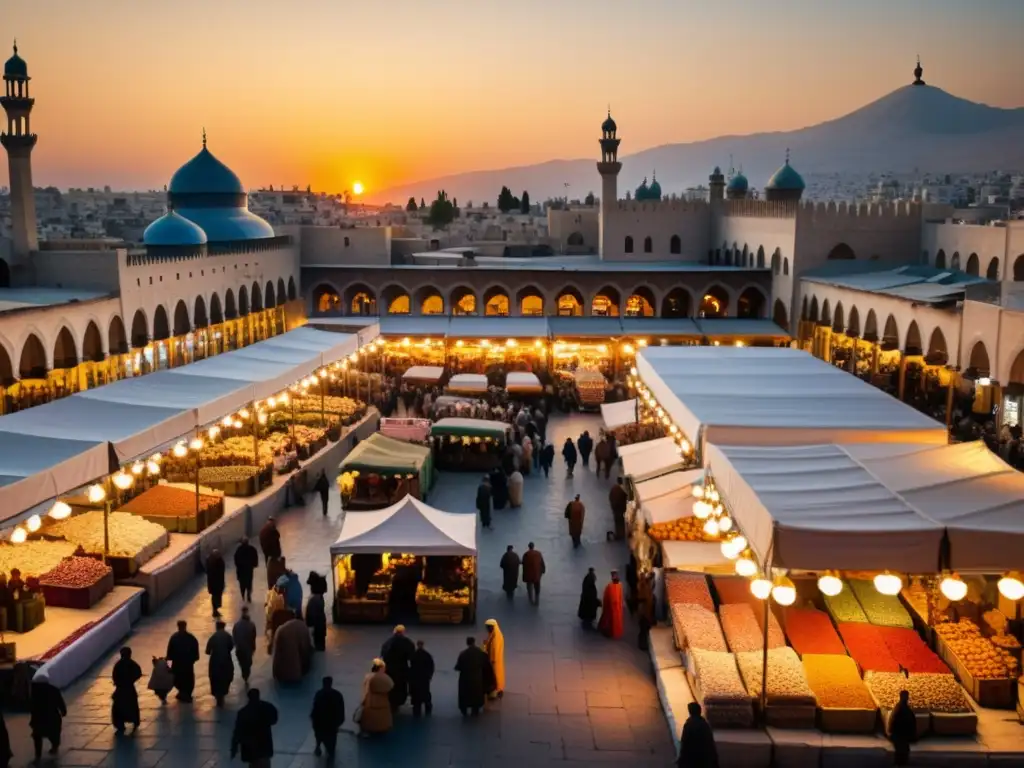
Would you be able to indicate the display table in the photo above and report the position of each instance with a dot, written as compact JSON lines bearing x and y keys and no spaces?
{"x":24,"y":616}
{"x":994,"y":693}
{"x":78,"y":597}
{"x":357,"y":610}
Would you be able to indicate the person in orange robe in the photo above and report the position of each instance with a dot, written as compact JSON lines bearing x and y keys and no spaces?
{"x":611,"y":609}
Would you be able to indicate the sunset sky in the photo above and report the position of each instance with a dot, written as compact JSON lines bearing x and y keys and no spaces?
{"x":328,"y":92}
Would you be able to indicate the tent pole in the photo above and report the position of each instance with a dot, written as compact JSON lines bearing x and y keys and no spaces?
{"x":764,"y":661}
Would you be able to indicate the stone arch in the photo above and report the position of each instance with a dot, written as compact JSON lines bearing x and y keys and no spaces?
{"x":675,"y":245}
{"x":779,"y":315}
{"x":256,"y":298}
{"x":92,"y":343}
{"x":230,"y":309}
{"x":804,"y":310}
{"x":268,"y":295}
{"x":64,"y":353}
{"x":32,"y":364}
{"x":938,"y":352}
{"x":841,"y":252}
{"x":760,"y":258}
{"x":140,"y":329}
{"x":785,"y":265}
{"x":606,"y":302}
{"x":940,"y":259}
{"x":395,"y":300}
{"x":715,"y":302}
{"x":199,"y":317}
{"x":1018,"y":269}
{"x":839,"y":318}
{"x":463,"y":301}
{"x":570,"y":302}
{"x":216,"y":314}
{"x":243,"y":301}
{"x":282,"y":295}
{"x":973,"y":265}
{"x":430,"y":301}
{"x":954,"y":263}
{"x":360,"y":300}
{"x":776,"y":262}
{"x":325,"y":299}
{"x":530,"y":301}
{"x":648,"y":245}
{"x":813,"y":311}
{"x":1017,"y":369}
{"x":496,"y":302}
{"x":751,"y":303}
{"x":853,"y":323}
{"x":6,"y":367}
{"x":677,"y":303}
{"x":912,"y":343}
{"x":575,"y":239}
{"x":117,"y":341}
{"x":992,"y":273}
{"x":291,"y":289}
{"x":181,"y":321}
{"x":641,"y":303}
{"x":870,"y":327}
{"x":978,"y":363}
{"x":826,"y":313}
{"x":890,"y":334}
{"x":629,"y":244}
{"x":161,"y":327}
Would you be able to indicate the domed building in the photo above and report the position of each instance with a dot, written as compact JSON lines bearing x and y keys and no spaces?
{"x":654,"y":192}
{"x":785,"y":184}
{"x":642,"y":192}
{"x":15,"y":67}
{"x":174,"y":235}
{"x":737,"y":187}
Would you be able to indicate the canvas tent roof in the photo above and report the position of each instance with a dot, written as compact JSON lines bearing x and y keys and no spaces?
{"x":648,"y":490}
{"x":875,"y":506}
{"x":410,"y":527}
{"x":459,"y":426}
{"x":522,"y":381}
{"x":644,"y":446}
{"x":424,"y":373}
{"x":381,"y":453}
{"x":618,"y":414}
{"x":658,"y":459}
{"x":467,"y":382}
{"x":775,"y":396}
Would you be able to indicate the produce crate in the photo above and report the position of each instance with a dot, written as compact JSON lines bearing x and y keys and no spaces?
{"x":356,"y":611}
{"x":959,"y":724}
{"x":994,"y":694}
{"x":834,"y":720}
{"x":28,"y":614}
{"x":238,"y":488}
{"x":123,"y":567}
{"x":739,"y":714}
{"x":799,"y":716}
{"x":81,"y":598}
{"x":441,"y":613}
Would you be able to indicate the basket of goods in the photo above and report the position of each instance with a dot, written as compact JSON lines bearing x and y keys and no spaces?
{"x":683,"y":529}
{"x":590,"y":387}
{"x":34,"y":557}
{"x":77,"y":582}
{"x":865,"y":645}
{"x":844,"y":703}
{"x":987,"y":671}
{"x":744,"y":633}
{"x":881,"y":610}
{"x":239,"y":480}
{"x":133,"y":540}
{"x":176,"y":508}
{"x":937,"y":700}
{"x":790,"y":701}
{"x":696,"y":627}
{"x":811,"y":631}
{"x":716,"y":684}
{"x":683,"y":588}
{"x":844,"y":608}
{"x":435,"y":605}
{"x":995,"y":626}
{"x":910,"y":652}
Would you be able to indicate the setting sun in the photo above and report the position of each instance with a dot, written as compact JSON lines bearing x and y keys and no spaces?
{"x":357,"y":188}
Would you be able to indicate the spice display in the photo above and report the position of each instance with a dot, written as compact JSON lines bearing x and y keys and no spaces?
{"x":718,"y":678}
{"x":688,"y":588}
{"x":734,"y":589}
{"x":229,"y":474}
{"x":697,"y":627}
{"x":683,"y":529}
{"x":836,"y":682}
{"x":917,"y":598}
{"x":1007,"y":642}
{"x":345,"y":407}
{"x":787,"y":683}
{"x":978,"y":654}
{"x":742,"y":631}
{"x":168,"y":501}
{"x":910,"y":652}
{"x":864,"y":643}
{"x":844,"y":607}
{"x":811,"y":631}
{"x":76,"y":573}
{"x":881,"y":610}
{"x":130,"y":536}
{"x":928,"y":693}
{"x":34,"y":558}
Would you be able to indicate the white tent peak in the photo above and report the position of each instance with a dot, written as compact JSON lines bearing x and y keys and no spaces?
{"x":409,"y":527}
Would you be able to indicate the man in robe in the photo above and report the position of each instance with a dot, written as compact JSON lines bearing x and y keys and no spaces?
{"x":243,"y":634}
{"x":246,"y":561}
{"x":222,"y":668}
{"x":125,"y":708}
{"x":618,"y":498}
{"x":483,"y":502}
{"x":293,"y":593}
{"x":697,"y":743}
{"x":292,"y":652}
{"x":47,"y":711}
{"x":494,"y":645}
{"x":323,"y":487}
{"x":475,"y":677}
{"x":515,"y":489}
{"x":533,"y":569}
{"x":270,"y":539}
{"x":316,"y":620}
{"x":421,"y":672}
{"x":575,"y":513}
{"x":510,"y":569}
{"x":182,"y":654}
{"x":327,"y":715}
{"x":589,"y":603}
{"x":902,"y":729}
{"x":611,"y":623}
{"x":215,"y":580}
{"x":585,"y":443}
{"x":499,"y":488}
{"x":253,"y":733}
{"x":397,"y":653}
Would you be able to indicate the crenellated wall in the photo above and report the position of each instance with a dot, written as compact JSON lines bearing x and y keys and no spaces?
{"x":660,"y":221}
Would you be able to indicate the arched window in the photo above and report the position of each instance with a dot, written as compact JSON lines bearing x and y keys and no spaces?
{"x":640,"y":303}
{"x":751,"y":303}
{"x":715,"y":303}
{"x":785,"y":266}
{"x":531,"y":301}
{"x":399,"y":305}
{"x":675,"y":245}
{"x":605,"y":303}
{"x":570,"y":303}
{"x":992,"y":273}
{"x":629,"y":244}
{"x":496,"y":302}
{"x":648,"y":244}
{"x":325,"y":299}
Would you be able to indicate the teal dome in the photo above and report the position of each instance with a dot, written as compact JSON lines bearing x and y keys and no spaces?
{"x":738,"y":183}
{"x":16,"y":66}
{"x":223,"y":225}
{"x":204,"y":174}
{"x":654,"y":192}
{"x":173,"y":230}
{"x":786,"y":178}
{"x":643,"y":191}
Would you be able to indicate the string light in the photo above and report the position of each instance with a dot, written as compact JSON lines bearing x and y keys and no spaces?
{"x":745,"y":565}
{"x":830,"y":584}
{"x":60,"y":510}
{"x":1011,"y":586}
{"x":953,"y":587}
{"x":34,"y":523}
{"x":888,"y":583}
{"x":96,"y":494}
{"x":761,"y":588}
{"x":784,"y":591}
{"x":123,"y":480}
{"x":19,"y":535}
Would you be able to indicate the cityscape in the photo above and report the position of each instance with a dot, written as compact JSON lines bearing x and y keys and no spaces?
{"x":294,"y":426}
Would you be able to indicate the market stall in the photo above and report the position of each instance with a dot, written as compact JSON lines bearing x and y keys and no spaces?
{"x":424,"y":374}
{"x":382,"y":470}
{"x":412,"y":430}
{"x":523,"y":383}
{"x":469,"y":444}
{"x":403,"y":562}
{"x":590,"y":386}
{"x":652,"y":459}
{"x":621,"y":414}
{"x":468,"y":384}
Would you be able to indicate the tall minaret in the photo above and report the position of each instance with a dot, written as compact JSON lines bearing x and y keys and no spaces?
{"x":19,"y":142}
{"x":609,"y":168}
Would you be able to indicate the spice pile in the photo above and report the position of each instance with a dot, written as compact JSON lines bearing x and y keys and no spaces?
{"x":844,"y":607}
{"x":836,"y":682}
{"x":810,"y":631}
{"x":928,"y":693}
{"x":168,"y":501}
{"x":76,"y":573}
{"x":910,"y":652}
{"x":787,"y":683}
{"x":697,"y":627}
{"x":743,"y":632}
{"x":865,"y":645}
{"x":33,"y":558}
{"x":688,"y":589}
{"x":130,"y":536}
{"x":881,"y":610}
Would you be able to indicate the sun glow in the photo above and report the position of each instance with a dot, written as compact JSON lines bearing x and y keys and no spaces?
{"x":357,"y":188}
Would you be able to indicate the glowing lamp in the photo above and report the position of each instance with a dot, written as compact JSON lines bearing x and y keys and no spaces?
{"x":729,"y":550}
{"x":138,"y":468}
{"x":713,"y":496}
{"x":459,"y":343}
{"x":262,"y":418}
{"x":888,"y":583}
{"x":830,"y":584}
{"x":761,"y":588}
{"x":60,"y":511}
{"x":783,"y":591}
{"x":642,"y":342}
{"x":283,"y":399}
{"x":685,"y":445}
{"x":711,"y":527}
{"x":1011,"y":586}
{"x":179,"y":450}
{"x":156,"y":457}
{"x":123,"y":481}
{"x":237,"y":424}
{"x":537,"y":343}
{"x":244,"y":413}
{"x":511,"y":343}
{"x":271,"y":402}
{"x":196,"y":444}
{"x":18,"y":535}
{"x":34,"y":523}
{"x":739,"y":540}
{"x":953,"y":587}
{"x":745,"y":565}
{"x":740,"y":344}
{"x":96,"y":494}
{"x":226,"y":421}
{"x":673,"y":429}
{"x":353,"y":357}
{"x":633,"y":370}
{"x":153,"y":468}
{"x":701,"y":510}
{"x":698,"y":491}
{"x":212,"y":432}
{"x":725,"y":525}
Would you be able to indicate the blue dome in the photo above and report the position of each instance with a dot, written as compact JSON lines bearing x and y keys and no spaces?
{"x":228,"y":224}
{"x":205,"y":174}
{"x":738,"y":183}
{"x":642,"y":192}
{"x":172,"y":229}
{"x":16,"y":66}
{"x":654,"y":192}
{"x":786,"y":178}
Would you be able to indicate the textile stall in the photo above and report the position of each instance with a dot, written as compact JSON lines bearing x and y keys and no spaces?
{"x":382,"y":470}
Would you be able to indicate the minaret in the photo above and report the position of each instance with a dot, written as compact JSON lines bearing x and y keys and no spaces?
{"x":609,"y":168}
{"x":716,"y":184}
{"x":19,"y":141}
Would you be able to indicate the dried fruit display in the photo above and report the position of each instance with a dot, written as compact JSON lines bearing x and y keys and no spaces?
{"x":683,"y":529}
{"x":683,"y":588}
{"x":864,"y":643}
{"x":787,"y":683}
{"x":811,"y":631}
{"x":229,"y":474}
{"x":928,"y":693}
{"x":697,"y":627}
{"x":130,"y":535}
{"x":33,"y":558}
{"x":916,"y":596}
{"x":718,"y":678}
{"x":910,"y":652}
{"x":734,"y":589}
{"x":844,"y":607}
{"x":978,"y":654}
{"x":881,"y":610}
{"x":76,"y":573}
{"x":744,"y":633}
{"x":169,"y":501}
{"x":836,"y":682}
{"x":1008,"y":642}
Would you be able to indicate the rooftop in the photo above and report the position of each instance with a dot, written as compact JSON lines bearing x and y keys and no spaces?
{"x":27,"y":298}
{"x":453,"y":260}
{"x":924,"y":284}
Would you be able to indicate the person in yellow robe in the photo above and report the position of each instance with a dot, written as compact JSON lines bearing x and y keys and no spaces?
{"x":494,"y":645}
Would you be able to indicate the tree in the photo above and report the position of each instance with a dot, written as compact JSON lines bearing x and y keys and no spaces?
{"x":442,"y":211}
{"x":410,"y":207}
{"x":524,"y":206}
{"x":589,"y":199}
{"x":423,"y":205}
{"x":506,"y":200}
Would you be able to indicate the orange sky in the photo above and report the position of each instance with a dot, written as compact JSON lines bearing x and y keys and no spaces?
{"x":326,"y":91}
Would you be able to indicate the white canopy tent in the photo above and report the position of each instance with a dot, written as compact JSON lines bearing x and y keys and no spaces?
{"x":468,"y":382}
{"x":424,"y":373}
{"x":671,"y":506}
{"x":694,"y":556}
{"x":410,"y":527}
{"x":775,"y":396}
{"x":619,"y":414}
{"x":646,"y":445}
{"x":659,"y":459}
{"x":523,"y":382}
{"x":658,"y":487}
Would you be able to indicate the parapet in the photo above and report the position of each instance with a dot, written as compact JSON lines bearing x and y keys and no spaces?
{"x":896,"y":209}
{"x":660,"y":206}
{"x":762,"y":209}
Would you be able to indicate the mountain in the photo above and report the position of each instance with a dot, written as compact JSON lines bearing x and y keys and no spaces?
{"x":914,"y":127}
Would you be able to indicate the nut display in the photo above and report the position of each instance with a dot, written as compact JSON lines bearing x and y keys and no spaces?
{"x":697,"y":627}
{"x":910,"y":652}
{"x":169,"y":501}
{"x":881,"y":610}
{"x":864,"y":643}
{"x":718,"y":678}
{"x":978,"y":654}
{"x":810,"y":631}
{"x":130,"y":536}
{"x":683,"y":529}
{"x":928,"y":693}
{"x":341,"y":406}
{"x":228,"y":474}
{"x":787,"y":683}
{"x":688,"y":588}
{"x":742,"y":631}
{"x":76,"y":573}
{"x":34,"y":558}
{"x":836,"y":682}
{"x":844,"y":606}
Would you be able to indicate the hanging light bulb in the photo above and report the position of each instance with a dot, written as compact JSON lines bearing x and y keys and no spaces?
{"x":698,"y":491}
{"x":179,"y":450}
{"x":761,"y":588}
{"x":701,"y":510}
{"x":953,"y":587}
{"x":739,"y":540}
{"x":96,"y":494}
{"x":784,"y":591}
{"x":244,"y":413}
{"x":34,"y":523}
{"x":226,"y":421}
{"x":830,"y":584}
{"x":19,"y":535}
{"x":685,"y":445}
{"x":262,"y":418}
{"x":156,"y":457}
{"x":888,"y":583}
{"x":713,"y":497}
{"x":138,"y":468}
{"x":711,"y":527}
{"x":745,"y":565}
{"x":196,"y":444}
{"x":729,"y":549}
{"x":725,"y":525}
{"x":153,"y":468}
{"x":123,"y":481}
{"x":1011,"y":586}
{"x":271,"y":402}
{"x":60,"y":510}
{"x":283,"y":399}
{"x":237,"y":424}
{"x":212,"y":432}
{"x":672,"y":429}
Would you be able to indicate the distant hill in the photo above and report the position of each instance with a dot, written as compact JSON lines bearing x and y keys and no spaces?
{"x":913,"y":127}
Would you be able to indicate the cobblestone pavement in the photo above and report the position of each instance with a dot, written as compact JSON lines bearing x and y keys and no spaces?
{"x":572,"y":696}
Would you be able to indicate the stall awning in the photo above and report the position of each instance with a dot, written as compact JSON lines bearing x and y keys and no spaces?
{"x":693,"y":555}
{"x":671,"y":506}
{"x":658,"y":487}
{"x":735,"y":327}
{"x":468,"y":382}
{"x":460,"y":426}
{"x":645,"y":445}
{"x":523,"y":382}
{"x":659,"y":459}
{"x":618,"y":414}
{"x":386,"y":455}
{"x":410,"y":527}
{"x":424,"y":373}
{"x":498,"y":328}
{"x":775,"y":396}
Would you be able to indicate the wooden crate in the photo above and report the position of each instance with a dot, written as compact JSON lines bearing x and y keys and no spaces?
{"x":441,"y":613}
{"x":357,"y":611}
{"x":835,"y":720}
{"x":78,"y":597}
{"x":993,"y":694}
{"x":799,"y":716}
{"x":959,"y":724}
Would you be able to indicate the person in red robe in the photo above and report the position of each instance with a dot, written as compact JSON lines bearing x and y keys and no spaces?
{"x":611,"y":609}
